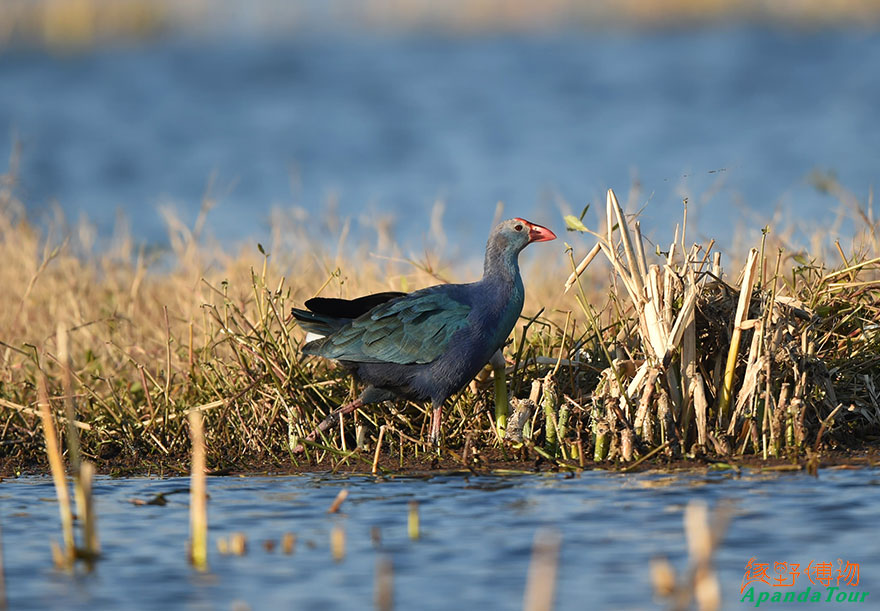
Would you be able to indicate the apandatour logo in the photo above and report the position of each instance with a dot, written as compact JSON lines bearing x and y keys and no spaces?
{"x":820,"y":574}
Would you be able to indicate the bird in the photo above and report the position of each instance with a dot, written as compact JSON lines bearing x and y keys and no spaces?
{"x":428,"y":344}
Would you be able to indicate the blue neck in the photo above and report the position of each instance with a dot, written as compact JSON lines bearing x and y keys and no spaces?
{"x":501,"y":275}
{"x":502,"y":261}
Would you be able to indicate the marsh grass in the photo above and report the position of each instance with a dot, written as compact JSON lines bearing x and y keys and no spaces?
{"x":636,"y":356}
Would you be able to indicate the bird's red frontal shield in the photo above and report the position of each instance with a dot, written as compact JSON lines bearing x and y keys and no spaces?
{"x":537,"y":233}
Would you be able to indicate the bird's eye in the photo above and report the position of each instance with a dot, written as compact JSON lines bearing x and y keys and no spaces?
{"x":518,"y":228}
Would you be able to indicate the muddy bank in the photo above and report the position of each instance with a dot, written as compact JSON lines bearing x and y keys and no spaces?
{"x":490,"y":461}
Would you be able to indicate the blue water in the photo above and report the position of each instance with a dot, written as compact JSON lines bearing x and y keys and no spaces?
{"x":474,"y":550}
{"x":735,"y":118}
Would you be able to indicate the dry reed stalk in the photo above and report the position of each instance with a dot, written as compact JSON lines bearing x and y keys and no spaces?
{"x":699,"y":583}
{"x":412,"y":520}
{"x":755,"y":364}
{"x":86,"y":510}
{"x":58,"y":475}
{"x":384,"y":588}
{"x":342,"y":432}
{"x":375,"y":466}
{"x":626,"y":445}
{"x":742,"y":310}
{"x":703,"y":537}
{"x":647,"y":395}
{"x":688,"y":365}
{"x":717,"y":271}
{"x":337,"y":502}
{"x":623,"y":229}
{"x":337,"y":543}
{"x":582,"y":267}
{"x":541,"y":581}
{"x":83,"y":471}
{"x":701,"y":410}
{"x":84,"y":426}
{"x":238,"y":544}
{"x":668,"y":433}
{"x":288,"y":543}
{"x":198,"y":502}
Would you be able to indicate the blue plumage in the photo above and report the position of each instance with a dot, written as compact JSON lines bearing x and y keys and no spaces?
{"x":426,"y":345}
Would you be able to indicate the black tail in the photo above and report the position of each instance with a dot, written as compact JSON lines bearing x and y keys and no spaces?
{"x":349,"y":308}
{"x":329,"y":314}
{"x":317,"y":323}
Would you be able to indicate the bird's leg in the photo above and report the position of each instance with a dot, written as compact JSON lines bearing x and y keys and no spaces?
{"x":437,"y":417}
{"x":331,"y":419}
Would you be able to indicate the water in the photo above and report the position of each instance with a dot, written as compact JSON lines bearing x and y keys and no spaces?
{"x":734,"y":117}
{"x":474,"y":550}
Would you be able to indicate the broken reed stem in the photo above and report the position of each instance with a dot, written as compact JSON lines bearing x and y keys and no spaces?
{"x":742,"y":311}
{"x":412,"y":520}
{"x":58,"y":475}
{"x":541,"y":580}
{"x":703,"y":537}
{"x":701,"y":410}
{"x":647,"y":456}
{"x":602,"y":440}
{"x":288,"y":543}
{"x":83,"y":471}
{"x":337,"y":543}
{"x":582,"y":266}
{"x":86,"y":509}
{"x":699,"y":583}
{"x":337,"y":502}
{"x":198,"y":506}
{"x":375,"y":466}
{"x":825,"y":424}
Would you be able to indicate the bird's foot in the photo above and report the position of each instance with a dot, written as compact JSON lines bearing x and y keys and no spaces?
{"x":331,"y":419}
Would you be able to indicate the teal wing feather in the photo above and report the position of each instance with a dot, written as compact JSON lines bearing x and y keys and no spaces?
{"x":415,"y":329}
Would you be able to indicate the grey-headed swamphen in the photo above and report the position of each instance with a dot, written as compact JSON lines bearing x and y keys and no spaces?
{"x":426,"y":345}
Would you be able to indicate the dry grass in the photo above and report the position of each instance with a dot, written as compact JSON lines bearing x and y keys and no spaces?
{"x":131,"y":341}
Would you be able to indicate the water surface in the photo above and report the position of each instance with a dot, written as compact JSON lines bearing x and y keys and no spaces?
{"x":475,"y":547}
{"x":734,"y":117}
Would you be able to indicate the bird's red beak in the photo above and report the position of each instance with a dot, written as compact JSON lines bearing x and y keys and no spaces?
{"x":538,"y":233}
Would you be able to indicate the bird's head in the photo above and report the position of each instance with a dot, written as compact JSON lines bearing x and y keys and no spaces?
{"x":506,"y":242}
{"x":519,"y":233}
